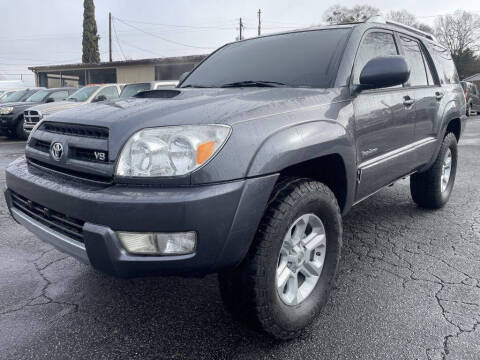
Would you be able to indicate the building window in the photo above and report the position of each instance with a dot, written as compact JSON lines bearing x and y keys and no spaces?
{"x":172,"y":71}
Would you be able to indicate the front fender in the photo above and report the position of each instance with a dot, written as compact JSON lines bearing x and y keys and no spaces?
{"x":298,"y":143}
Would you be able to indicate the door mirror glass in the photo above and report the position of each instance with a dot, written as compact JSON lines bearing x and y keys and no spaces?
{"x":384,"y":71}
{"x":100,"y":98}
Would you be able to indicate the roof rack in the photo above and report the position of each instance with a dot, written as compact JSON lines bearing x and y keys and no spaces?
{"x":381,"y":19}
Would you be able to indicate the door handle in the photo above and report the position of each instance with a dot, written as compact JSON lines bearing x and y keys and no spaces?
{"x":439,"y":95}
{"x":408,"y":101}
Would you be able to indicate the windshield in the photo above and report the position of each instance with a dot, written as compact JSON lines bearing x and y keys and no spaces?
{"x":38,"y":96}
{"x":83,"y":94}
{"x":15,"y":96}
{"x":299,"y":59}
{"x":133,"y":89}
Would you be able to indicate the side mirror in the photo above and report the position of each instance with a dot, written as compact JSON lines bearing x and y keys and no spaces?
{"x":100,"y":98}
{"x":49,"y":100}
{"x":384,"y":71}
{"x":183,"y":76}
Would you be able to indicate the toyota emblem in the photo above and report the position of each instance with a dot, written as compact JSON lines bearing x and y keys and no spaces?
{"x":56,"y":151}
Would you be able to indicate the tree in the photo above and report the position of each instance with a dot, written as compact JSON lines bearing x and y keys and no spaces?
{"x":460,"y":32}
{"x":338,"y":14}
{"x":90,"y":52}
{"x":404,"y":17}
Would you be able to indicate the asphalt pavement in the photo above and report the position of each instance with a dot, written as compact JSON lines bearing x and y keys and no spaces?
{"x":408,"y":288}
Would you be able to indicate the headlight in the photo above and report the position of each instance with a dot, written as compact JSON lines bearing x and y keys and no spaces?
{"x":6,"y":110}
{"x":170,"y":150}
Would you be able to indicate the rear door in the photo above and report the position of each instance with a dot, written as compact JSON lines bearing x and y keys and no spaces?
{"x":427,"y":93}
{"x":384,"y":120}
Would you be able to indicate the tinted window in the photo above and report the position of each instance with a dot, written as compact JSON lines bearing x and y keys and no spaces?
{"x":133,"y":89}
{"x":110,"y":92}
{"x":413,"y":55}
{"x":444,"y":64}
{"x":374,"y":44}
{"x":307,"y":58}
{"x":59,"y":95}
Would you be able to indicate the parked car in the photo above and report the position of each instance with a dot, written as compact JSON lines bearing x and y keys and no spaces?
{"x":6,"y":92}
{"x":130,"y":90}
{"x":12,"y":113}
{"x":9,"y":117}
{"x":472,"y":97}
{"x":83,"y":96}
{"x":246,"y":168}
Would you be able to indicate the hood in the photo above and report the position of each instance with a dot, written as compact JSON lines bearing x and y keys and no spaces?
{"x":19,"y":103}
{"x":53,"y":107}
{"x":195,"y":106}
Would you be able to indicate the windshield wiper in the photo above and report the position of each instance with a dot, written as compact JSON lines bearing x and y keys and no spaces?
{"x":257,"y":83}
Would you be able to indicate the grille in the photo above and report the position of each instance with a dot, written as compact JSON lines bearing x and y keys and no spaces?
{"x":96,"y":132}
{"x":88,"y":154}
{"x":31,"y":116}
{"x":40,"y":145}
{"x":61,"y":223}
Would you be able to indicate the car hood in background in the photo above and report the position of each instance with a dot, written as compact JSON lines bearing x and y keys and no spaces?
{"x":50,"y":108}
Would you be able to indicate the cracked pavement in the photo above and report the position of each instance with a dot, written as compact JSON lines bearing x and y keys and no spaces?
{"x":408,"y":288}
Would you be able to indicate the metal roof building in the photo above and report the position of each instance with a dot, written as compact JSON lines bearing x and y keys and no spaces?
{"x":127,"y":71}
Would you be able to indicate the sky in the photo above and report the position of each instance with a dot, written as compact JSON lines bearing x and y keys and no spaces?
{"x":49,"y":32}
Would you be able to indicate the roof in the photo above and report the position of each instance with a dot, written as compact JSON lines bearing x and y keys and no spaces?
{"x":475,"y":77}
{"x":106,"y":64}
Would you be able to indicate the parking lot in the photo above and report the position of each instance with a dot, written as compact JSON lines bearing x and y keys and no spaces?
{"x":408,"y":288}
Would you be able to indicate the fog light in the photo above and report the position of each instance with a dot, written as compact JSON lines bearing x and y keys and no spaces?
{"x":158,"y":243}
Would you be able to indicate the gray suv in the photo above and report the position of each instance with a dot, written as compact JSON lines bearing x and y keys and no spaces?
{"x":246,"y":168}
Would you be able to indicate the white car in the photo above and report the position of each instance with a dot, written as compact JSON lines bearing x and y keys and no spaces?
{"x":85,"y":95}
{"x":133,"y":89}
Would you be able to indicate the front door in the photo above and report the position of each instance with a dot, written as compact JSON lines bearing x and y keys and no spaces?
{"x":384,"y":121}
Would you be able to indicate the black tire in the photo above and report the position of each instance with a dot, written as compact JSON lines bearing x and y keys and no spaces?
{"x":19,"y":131}
{"x":425,"y":187}
{"x":249,"y":291}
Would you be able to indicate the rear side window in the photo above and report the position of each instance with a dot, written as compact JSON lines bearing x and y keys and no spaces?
{"x":374,"y":44}
{"x":413,"y":55}
{"x":446,"y":69}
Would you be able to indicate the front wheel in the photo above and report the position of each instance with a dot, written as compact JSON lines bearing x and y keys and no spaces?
{"x":285,"y":280}
{"x":432,"y":188}
{"x":19,"y":131}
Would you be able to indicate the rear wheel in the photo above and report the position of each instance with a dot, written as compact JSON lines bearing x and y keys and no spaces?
{"x":432,"y":188}
{"x":285,"y":280}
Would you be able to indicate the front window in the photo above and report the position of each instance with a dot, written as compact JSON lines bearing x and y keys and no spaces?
{"x":83,"y":94}
{"x":298,"y":59}
{"x":133,"y":89}
{"x":38,"y":96}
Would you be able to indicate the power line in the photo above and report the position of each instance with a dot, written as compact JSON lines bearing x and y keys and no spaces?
{"x":116,"y":37}
{"x":162,"y":38}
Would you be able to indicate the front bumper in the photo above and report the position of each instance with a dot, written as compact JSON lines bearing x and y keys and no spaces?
{"x":225,"y":217}
{"x":7,"y":122}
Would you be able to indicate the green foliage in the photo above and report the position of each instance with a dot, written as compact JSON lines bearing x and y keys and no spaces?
{"x":90,"y":53}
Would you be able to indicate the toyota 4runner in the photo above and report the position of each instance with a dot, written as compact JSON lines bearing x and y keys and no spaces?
{"x":246,"y":168}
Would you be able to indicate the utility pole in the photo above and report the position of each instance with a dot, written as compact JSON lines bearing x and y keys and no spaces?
{"x":259,"y":22}
{"x":241,"y":30}
{"x":110,"y":35}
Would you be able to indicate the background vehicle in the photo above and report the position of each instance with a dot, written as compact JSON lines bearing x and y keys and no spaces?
{"x":5,"y":93}
{"x":133,"y":89}
{"x":7,"y":120}
{"x":83,"y":96}
{"x":12,"y":117}
{"x":472,"y":97}
{"x":246,"y":168}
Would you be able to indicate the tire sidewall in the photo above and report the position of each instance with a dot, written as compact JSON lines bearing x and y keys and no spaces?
{"x":298,"y":316}
{"x":449,"y":143}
